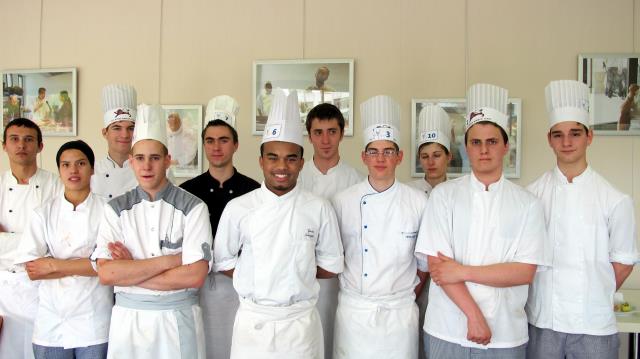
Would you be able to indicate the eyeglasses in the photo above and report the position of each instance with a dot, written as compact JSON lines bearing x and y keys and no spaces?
{"x":387,"y":152}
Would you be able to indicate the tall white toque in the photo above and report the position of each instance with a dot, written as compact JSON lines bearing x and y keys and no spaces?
{"x":567,"y":100}
{"x":118,"y":103}
{"x":434,"y":125}
{"x":223,"y":108}
{"x":487,"y":102}
{"x":284,"y":123}
{"x":380,"y":119}
{"x":151,"y":124}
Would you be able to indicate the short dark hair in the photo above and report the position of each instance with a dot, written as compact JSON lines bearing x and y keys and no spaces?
{"x":505,"y":137}
{"x":325,"y":112}
{"x":42,"y":89}
{"x":79,"y":145}
{"x":428,"y":143}
{"x":217,"y":123}
{"x":262,"y":150}
{"x":22,"y":122}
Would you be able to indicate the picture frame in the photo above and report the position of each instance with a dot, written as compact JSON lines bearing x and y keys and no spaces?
{"x":614,"y":93}
{"x":184,"y":140}
{"x":457,"y":110}
{"x":48,"y":97}
{"x":316,"y":81}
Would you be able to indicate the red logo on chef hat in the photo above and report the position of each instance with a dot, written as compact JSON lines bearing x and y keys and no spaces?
{"x":475,"y":116}
{"x":122,"y":111}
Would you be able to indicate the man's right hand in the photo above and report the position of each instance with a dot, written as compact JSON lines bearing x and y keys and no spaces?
{"x":478,"y":331}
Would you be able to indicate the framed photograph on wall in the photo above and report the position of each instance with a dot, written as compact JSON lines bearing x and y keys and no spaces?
{"x":316,"y":81}
{"x":456,"y":109}
{"x":46,"y":96}
{"x":184,"y":126}
{"x":615,"y":96}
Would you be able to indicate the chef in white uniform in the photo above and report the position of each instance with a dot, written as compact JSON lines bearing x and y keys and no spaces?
{"x":484,"y":242}
{"x":379,"y":219}
{"x":592,"y":234}
{"x":434,"y":144}
{"x":74,"y":308}
{"x":218,"y":185}
{"x":325,"y":175}
{"x":275,"y":241}
{"x":434,"y":147}
{"x":23,"y":187}
{"x":154,"y":246}
{"x":113,"y":175}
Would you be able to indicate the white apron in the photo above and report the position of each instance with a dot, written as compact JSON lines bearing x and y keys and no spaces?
{"x":156,"y":327}
{"x":219,"y":302}
{"x":18,"y":314}
{"x":269,"y":332}
{"x":376,"y":328}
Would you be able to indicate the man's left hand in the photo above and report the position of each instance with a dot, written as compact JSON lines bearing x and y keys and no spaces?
{"x":446,"y":271}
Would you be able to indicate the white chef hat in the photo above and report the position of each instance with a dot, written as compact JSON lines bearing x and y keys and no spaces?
{"x":567,"y":100}
{"x":223,"y":108}
{"x":118,"y":103}
{"x":284,"y":122}
{"x":434,"y":125}
{"x":150,"y":124}
{"x":487,"y":102}
{"x":380,"y":119}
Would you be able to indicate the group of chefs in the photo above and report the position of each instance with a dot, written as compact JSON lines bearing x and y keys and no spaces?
{"x":317,"y":261}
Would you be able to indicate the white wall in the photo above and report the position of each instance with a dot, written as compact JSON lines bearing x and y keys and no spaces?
{"x":187,"y":51}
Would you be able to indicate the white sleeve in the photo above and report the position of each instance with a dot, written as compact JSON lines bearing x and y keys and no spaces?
{"x":197,"y":239}
{"x":329,"y":251}
{"x":33,"y":243}
{"x":435,"y":232}
{"x":109,"y":231}
{"x":622,"y":233}
{"x":533,"y":244}
{"x":227,"y":242}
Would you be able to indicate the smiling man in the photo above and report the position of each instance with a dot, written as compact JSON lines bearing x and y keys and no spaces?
{"x":379,"y":219}
{"x":591,"y":228}
{"x":154,"y":247}
{"x":485,"y":239}
{"x":216,"y":187}
{"x":275,"y":241}
{"x":23,"y":187}
{"x":113,"y":175}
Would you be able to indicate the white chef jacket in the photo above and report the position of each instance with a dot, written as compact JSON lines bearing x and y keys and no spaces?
{"x":175,"y":222}
{"x":182,"y":145}
{"x":282,"y":239}
{"x":421,"y":185}
{"x":339,"y":177}
{"x":589,"y":224}
{"x":57,"y":230}
{"x":110,"y":180}
{"x":19,"y":298}
{"x":476,"y":227}
{"x":379,"y":231}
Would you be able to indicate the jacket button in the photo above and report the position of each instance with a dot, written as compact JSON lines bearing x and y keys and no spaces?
{"x":107,"y":175}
